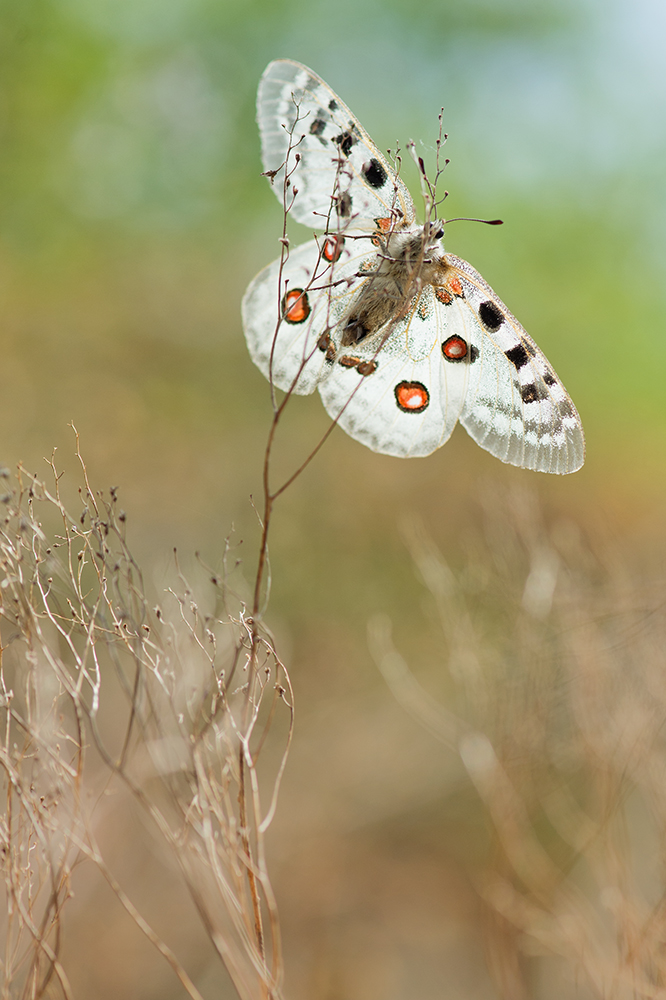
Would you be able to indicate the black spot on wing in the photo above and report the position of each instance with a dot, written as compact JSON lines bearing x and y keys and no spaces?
{"x":345,"y":141}
{"x":490,"y":315}
{"x":532,"y":392}
{"x":549,"y":378}
{"x":374,"y":173}
{"x":518,"y":356}
{"x":317,"y":126}
{"x":332,"y":105}
{"x":473,"y":353}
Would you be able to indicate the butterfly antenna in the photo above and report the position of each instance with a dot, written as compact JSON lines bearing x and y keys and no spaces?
{"x":486,"y":222}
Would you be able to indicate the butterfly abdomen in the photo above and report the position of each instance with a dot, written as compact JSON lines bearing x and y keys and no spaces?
{"x":378,"y":302}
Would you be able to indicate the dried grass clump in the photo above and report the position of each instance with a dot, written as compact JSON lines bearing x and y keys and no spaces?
{"x":192,"y":698}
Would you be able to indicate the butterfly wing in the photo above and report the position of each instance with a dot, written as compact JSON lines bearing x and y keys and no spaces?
{"x":297,"y":352}
{"x":515,"y":406}
{"x":459,"y":354}
{"x":400,"y":399}
{"x":338,"y":159}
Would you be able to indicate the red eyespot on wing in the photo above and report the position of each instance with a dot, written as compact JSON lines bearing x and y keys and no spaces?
{"x":295,"y":306}
{"x":333,"y":248}
{"x":443,"y":296}
{"x":456,"y":287}
{"x":455,"y":348}
{"x":412,"y":397}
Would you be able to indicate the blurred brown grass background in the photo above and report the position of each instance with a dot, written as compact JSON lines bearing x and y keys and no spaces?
{"x":133,"y":217}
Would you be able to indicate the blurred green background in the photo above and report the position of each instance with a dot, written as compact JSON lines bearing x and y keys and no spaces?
{"x":133,"y":215}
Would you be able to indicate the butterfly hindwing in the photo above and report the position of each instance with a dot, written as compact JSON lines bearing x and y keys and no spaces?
{"x":400,"y":399}
{"x":337,"y":158}
{"x":314,"y":291}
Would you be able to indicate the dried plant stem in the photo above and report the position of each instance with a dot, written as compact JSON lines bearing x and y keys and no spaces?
{"x":75,"y":623}
{"x":92,"y":851}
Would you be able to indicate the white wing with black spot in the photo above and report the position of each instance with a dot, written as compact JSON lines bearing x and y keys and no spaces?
{"x":338,"y":159}
{"x":515,"y":407}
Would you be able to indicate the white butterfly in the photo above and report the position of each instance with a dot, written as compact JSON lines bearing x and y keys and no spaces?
{"x":401,"y":339}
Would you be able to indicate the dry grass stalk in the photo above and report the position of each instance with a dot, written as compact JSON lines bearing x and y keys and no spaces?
{"x":556,"y":649}
{"x":201,"y":693}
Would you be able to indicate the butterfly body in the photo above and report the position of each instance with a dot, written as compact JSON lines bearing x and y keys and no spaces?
{"x":402,"y":339}
{"x":405,"y":262}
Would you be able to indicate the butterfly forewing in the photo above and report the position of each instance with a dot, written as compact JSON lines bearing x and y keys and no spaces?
{"x":341,"y":179}
{"x":516,"y":407}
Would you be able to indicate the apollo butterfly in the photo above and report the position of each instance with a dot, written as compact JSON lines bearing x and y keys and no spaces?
{"x":402,"y":339}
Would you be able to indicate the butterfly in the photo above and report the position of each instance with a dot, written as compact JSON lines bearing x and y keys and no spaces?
{"x":402,"y":339}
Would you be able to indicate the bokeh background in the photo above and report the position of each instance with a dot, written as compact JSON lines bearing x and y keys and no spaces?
{"x":133,"y":217}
